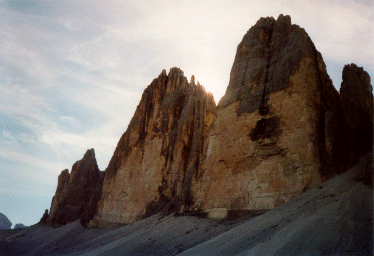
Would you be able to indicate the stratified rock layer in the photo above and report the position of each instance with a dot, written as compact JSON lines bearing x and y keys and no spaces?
{"x":155,"y":159}
{"x":276,"y":131}
{"x":357,"y":107}
{"x":77,"y":193}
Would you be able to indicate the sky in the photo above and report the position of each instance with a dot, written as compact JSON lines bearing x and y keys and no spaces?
{"x":73,"y":72}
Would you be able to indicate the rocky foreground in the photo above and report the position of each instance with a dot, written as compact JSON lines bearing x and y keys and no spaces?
{"x":336,"y":218}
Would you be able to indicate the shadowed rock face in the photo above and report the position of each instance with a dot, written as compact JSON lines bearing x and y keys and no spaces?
{"x":45,"y":217}
{"x":276,"y":131}
{"x":155,"y":158}
{"x":357,"y":108}
{"x":59,"y":197}
{"x":4,"y":222}
{"x":77,"y":193}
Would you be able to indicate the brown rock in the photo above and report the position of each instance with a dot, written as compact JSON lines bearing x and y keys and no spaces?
{"x":276,"y":131}
{"x":155,"y":159}
{"x":45,"y":217}
{"x":62,"y":185}
{"x":357,"y":107}
{"x":280,"y":129}
{"x":78,"y":192}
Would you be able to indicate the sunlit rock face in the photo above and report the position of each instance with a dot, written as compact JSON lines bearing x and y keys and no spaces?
{"x":154,"y":161}
{"x":276,"y":132}
{"x":357,"y":107}
{"x":77,"y":193}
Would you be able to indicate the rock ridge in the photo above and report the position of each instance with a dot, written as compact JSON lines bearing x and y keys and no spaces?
{"x":281,"y":129}
{"x":77,"y":192}
{"x":283,"y":114}
{"x":155,"y":158}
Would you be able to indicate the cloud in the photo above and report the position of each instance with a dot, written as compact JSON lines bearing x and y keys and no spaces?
{"x":342,"y":31}
{"x":82,"y":75}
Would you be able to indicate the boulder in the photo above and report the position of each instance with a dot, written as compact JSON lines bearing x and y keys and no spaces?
{"x":280,"y":130}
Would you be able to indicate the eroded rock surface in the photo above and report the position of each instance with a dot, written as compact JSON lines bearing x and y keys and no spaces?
{"x":276,"y":133}
{"x":357,"y":108}
{"x":77,"y":193}
{"x":154,"y":161}
{"x":281,"y":129}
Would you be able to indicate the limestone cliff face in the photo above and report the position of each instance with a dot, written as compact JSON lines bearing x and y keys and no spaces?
{"x":77,"y":193}
{"x":276,"y":131}
{"x":280,"y":129}
{"x":155,"y":158}
{"x":357,"y":107}
{"x":58,"y":198}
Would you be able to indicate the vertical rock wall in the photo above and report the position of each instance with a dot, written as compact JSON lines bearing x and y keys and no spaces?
{"x":280,"y":129}
{"x":276,"y":131}
{"x":357,"y":107}
{"x":77,"y":193}
{"x":155,"y":158}
{"x":4,"y":222}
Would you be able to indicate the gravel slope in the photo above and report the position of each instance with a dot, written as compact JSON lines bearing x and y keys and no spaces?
{"x":336,"y":218}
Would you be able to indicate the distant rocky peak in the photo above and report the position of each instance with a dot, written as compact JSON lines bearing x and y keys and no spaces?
{"x":4,"y":222}
{"x":192,"y":80}
{"x":64,"y":173}
{"x":356,"y":100}
{"x":269,"y":53}
{"x":167,"y":83}
{"x":90,"y":154}
{"x":63,"y":180}
{"x":86,"y":165}
{"x":75,"y":190}
{"x":176,"y":80}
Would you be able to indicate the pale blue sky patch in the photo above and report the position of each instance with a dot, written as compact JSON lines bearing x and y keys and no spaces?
{"x":28,"y":6}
